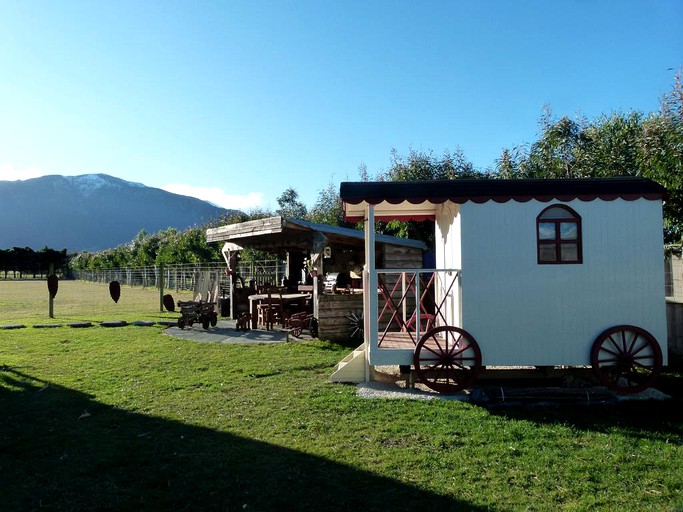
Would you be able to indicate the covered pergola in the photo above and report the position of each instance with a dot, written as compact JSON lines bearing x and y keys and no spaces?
{"x":329,"y":248}
{"x":326,"y":248}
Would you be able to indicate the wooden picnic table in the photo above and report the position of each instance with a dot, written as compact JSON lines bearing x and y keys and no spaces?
{"x":287,"y":299}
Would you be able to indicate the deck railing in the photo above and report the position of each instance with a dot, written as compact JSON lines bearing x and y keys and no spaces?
{"x":413,"y":301}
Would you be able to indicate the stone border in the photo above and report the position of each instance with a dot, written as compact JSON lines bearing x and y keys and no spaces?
{"x":114,"y":323}
{"x":106,"y":323}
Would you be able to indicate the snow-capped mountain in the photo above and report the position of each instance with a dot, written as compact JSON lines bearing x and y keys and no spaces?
{"x":91,"y":212}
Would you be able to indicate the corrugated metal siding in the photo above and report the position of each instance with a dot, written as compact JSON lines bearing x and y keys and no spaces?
{"x":522,"y":313}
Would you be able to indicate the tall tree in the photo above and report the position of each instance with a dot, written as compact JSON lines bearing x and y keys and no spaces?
{"x":328,"y":207}
{"x":661,"y":147}
{"x":290,"y":206}
{"x":615,"y":145}
{"x":420,"y":165}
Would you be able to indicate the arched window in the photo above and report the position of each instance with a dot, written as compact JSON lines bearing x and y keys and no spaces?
{"x":558,"y":235}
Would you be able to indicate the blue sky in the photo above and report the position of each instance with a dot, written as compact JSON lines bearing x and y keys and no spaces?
{"x":236,"y":101}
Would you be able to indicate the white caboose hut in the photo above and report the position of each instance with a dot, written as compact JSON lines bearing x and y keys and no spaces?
{"x":528,"y":273}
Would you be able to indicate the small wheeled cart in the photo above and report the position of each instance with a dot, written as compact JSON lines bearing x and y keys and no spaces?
{"x":529,"y":274}
{"x":197,"y":311}
{"x":297,"y":322}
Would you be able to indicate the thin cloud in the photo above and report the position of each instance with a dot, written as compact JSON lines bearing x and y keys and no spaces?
{"x":218,"y":196}
{"x":10,"y":173}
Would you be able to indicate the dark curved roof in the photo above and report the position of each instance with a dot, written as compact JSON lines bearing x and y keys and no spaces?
{"x":498,"y":190}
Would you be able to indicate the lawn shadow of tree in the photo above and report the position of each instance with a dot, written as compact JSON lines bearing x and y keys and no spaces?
{"x":641,"y":418}
{"x":61,"y":449}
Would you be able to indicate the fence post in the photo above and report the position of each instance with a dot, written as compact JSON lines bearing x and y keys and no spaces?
{"x":161,"y":287}
{"x":51,"y":310}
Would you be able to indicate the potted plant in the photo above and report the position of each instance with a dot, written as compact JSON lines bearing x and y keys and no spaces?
{"x":312,"y":271}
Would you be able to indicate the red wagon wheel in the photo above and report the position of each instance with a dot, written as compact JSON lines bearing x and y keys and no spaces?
{"x":626,"y":359}
{"x":447,"y":359}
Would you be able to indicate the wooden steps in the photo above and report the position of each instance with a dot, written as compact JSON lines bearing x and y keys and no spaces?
{"x":351,"y":368}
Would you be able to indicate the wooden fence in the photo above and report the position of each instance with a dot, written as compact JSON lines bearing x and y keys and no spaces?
{"x":674,"y":326}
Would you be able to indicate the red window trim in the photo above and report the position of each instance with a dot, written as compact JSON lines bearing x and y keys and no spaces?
{"x":557,"y":241}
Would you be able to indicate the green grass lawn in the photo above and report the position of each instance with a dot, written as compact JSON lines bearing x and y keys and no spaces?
{"x":132,"y":419}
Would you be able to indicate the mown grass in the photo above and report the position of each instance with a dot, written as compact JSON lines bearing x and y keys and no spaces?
{"x":133,"y":419}
{"x":27,"y":302}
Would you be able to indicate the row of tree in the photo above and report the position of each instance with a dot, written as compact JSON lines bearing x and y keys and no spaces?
{"x":166,"y":247}
{"x":24,"y":262}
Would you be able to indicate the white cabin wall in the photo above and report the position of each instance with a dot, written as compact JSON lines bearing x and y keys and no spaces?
{"x":448,"y":256}
{"x":523,"y":313}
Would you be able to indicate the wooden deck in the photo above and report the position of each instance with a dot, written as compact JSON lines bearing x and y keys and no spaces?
{"x":403,"y":340}
{"x":397,"y":340}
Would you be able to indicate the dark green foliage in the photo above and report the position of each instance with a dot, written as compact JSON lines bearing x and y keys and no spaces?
{"x":419,"y":165}
{"x":290,"y":206}
{"x":166,"y":247}
{"x":25,"y":262}
{"x":328,"y":208}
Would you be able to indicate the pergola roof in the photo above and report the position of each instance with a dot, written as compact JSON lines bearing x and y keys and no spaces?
{"x":278,"y":234}
{"x":417,"y":200}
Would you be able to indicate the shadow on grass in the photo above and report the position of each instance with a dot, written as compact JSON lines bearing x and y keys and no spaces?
{"x":62,"y":450}
{"x":646,"y":419}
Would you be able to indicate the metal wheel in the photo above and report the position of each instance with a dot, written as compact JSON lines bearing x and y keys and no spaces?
{"x":214,"y":319}
{"x":355,"y":324}
{"x":206,"y":321}
{"x":626,"y":359}
{"x":447,"y":359}
{"x":181,"y":323}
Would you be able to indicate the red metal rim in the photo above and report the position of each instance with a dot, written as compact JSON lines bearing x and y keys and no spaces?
{"x":626,"y":359}
{"x":447,"y":359}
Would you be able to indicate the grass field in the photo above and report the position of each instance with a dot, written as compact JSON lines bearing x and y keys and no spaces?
{"x":132,"y":419}
{"x":28,"y":302}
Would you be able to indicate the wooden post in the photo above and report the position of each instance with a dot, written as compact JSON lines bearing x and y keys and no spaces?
{"x":370,"y":290}
{"x":51,"y":270}
{"x":316,"y":313}
{"x":161,"y":288}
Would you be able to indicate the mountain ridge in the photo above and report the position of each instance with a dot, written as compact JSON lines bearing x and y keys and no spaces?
{"x":92,"y":212}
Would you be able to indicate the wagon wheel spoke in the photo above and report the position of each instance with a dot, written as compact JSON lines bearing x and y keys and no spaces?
{"x":633,"y":343}
{"x":634,"y":366}
{"x":643,"y":347}
{"x":436,"y":340}
{"x":614,"y":344}
{"x":438,"y":354}
{"x":604,"y":349}
{"x":460,"y":351}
